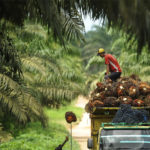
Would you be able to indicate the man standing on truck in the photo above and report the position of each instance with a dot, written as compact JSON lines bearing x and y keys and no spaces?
{"x":113,"y":70}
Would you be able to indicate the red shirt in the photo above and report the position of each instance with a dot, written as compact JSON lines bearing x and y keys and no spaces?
{"x":113,"y":63}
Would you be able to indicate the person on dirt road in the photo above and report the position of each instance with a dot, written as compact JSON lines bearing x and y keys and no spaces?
{"x":113,"y":70}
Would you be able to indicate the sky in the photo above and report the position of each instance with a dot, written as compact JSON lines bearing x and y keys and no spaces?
{"x":88,"y":22}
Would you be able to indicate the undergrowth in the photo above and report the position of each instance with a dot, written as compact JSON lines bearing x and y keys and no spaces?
{"x":35,"y":137}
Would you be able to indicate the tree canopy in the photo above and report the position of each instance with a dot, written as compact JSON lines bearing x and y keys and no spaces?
{"x":131,"y":16}
{"x":63,"y":24}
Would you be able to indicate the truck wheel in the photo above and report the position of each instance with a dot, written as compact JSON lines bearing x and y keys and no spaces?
{"x":90,"y":143}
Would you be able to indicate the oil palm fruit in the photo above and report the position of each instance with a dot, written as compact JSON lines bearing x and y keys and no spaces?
{"x":121,"y":91}
{"x":100,"y":86}
{"x":138,"y":103}
{"x":144,"y":88}
{"x":125,"y":100}
{"x":133,"y":91}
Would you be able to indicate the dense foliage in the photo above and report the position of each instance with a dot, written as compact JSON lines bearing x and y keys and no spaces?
{"x":33,"y":136}
{"x":35,"y":70}
{"x":18,"y":105}
{"x":117,"y":44}
{"x":53,"y":73}
{"x":61,"y":15}
{"x":63,"y":23}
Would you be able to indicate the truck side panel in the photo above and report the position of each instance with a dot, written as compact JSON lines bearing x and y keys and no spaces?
{"x":96,"y":121}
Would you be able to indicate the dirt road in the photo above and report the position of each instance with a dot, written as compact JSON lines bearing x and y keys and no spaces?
{"x":81,"y":132}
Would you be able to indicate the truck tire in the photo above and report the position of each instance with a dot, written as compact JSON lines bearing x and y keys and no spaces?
{"x":90,"y":143}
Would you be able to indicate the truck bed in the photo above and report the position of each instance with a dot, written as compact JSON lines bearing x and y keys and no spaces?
{"x":100,"y":110}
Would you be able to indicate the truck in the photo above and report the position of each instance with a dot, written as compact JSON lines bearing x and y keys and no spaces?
{"x":111,"y":136}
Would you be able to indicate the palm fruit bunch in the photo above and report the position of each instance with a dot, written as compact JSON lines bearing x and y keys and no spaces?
{"x":70,"y":117}
{"x":144,"y":88}
{"x":110,"y":102}
{"x":126,"y":90}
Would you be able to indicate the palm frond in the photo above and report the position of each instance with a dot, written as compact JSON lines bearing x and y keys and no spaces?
{"x":28,"y":77}
{"x":71,"y":75}
{"x":36,"y":29}
{"x":73,"y":26}
{"x":33,"y":64}
{"x":10,"y":61}
{"x":34,"y":109}
{"x":19,"y":102}
{"x":94,"y":60}
{"x":145,"y":70}
{"x":123,"y":14}
{"x":7,"y":81}
{"x":10,"y":99}
{"x":56,"y":96}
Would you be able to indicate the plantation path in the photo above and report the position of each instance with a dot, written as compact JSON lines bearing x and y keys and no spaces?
{"x":81,"y":132}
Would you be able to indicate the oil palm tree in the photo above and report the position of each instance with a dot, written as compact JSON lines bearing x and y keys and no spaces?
{"x":17,"y":103}
{"x":129,"y":16}
{"x":51,"y":71}
{"x":56,"y":81}
{"x":63,"y":24}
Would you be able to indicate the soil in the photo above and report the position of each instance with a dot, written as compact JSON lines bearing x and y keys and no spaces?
{"x":81,"y":132}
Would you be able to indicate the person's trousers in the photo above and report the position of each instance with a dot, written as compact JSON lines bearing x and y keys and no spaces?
{"x":113,"y":76}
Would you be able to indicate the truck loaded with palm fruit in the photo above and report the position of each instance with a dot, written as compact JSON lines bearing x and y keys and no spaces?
{"x":128,"y":100}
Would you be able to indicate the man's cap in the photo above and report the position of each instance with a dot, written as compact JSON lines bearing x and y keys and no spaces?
{"x":100,"y":51}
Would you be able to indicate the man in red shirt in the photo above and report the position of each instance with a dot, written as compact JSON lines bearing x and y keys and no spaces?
{"x":113,"y":70}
